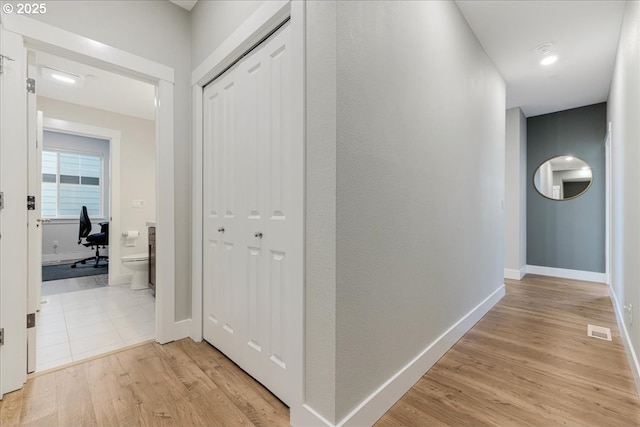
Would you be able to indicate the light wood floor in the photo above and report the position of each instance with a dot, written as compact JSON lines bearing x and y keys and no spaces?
{"x":178,"y":384}
{"x":527,"y":362}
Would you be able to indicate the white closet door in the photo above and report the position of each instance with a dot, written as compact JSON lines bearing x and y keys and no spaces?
{"x":223,"y":227}
{"x":253,"y":189}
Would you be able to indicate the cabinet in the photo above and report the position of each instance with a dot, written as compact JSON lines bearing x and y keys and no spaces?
{"x":152,"y":260}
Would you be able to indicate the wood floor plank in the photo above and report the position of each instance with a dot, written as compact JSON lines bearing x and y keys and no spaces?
{"x":256,"y":402}
{"x":11,"y":409}
{"x":74,"y":400}
{"x":529,"y":362}
{"x":112,"y":399}
{"x":40,"y":400}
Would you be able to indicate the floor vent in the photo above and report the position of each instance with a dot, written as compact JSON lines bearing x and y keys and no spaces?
{"x":599,"y":332}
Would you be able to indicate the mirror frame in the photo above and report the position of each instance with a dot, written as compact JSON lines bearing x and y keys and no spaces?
{"x":533,"y":178}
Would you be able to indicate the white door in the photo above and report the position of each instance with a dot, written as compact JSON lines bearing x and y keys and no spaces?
{"x":253,"y":207}
{"x":13,"y":216}
{"x":34,"y":271}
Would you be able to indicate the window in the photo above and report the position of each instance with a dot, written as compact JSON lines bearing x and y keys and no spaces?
{"x":69,"y":181}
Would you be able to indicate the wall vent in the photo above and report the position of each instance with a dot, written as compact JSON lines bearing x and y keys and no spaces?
{"x":599,"y":332}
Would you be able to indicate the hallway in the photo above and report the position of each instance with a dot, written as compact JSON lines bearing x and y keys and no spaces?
{"x":527,"y":362}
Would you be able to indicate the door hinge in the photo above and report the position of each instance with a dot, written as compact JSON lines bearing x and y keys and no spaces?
{"x":31,"y":320}
{"x":1,"y":336}
{"x":2,"y":58}
{"x":1,"y":200}
{"x":31,"y":203}
{"x":31,"y":85}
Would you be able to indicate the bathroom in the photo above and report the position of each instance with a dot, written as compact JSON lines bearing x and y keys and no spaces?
{"x":111,"y":306}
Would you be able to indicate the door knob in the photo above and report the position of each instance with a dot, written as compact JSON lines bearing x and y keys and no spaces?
{"x":221,"y":230}
{"x":258,"y":235}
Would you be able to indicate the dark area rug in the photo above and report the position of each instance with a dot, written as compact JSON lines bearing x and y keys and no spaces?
{"x":64,"y":271}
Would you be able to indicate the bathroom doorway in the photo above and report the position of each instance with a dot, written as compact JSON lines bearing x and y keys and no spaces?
{"x":97,"y":152}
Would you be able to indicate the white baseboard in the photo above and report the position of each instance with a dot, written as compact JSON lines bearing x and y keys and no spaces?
{"x":380,"y":401}
{"x":626,"y":340}
{"x":305,"y":416}
{"x":120,"y":279}
{"x":511,"y":273}
{"x":69,"y":256}
{"x":181,"y":329}
{"x":587,"y":276}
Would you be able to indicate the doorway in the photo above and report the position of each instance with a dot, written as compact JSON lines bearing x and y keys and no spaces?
{"x":106,"y":176}
{"x":18,"y":34}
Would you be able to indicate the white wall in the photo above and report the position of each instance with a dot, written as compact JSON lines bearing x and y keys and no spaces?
{"x":320,"y":244}
{"x":137,"y":167}
{"x":623,"y":113}
{"x":546,"y":178}
{"x":417,"y":247}
{"x":159,"y":31}
{"x":515,"y":231}
{"x":212,"y":21}
{"x":65,"y":231}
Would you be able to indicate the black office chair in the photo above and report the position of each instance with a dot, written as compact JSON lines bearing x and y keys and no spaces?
{"x":91,"y":240}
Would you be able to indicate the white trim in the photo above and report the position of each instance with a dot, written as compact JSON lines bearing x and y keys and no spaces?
{"x":632,"y":356}
{"x":13,"y":218}
{"x":306,"y":416}
{"x":587,"y":276}
{"x":261,"y":22}
{"x":196,"y":219}
{"x":607,"y":209}
{"x":381,"y":400}
{"x":165,"y":218}
{"x":510,"y":273}
{"x":114,"y":137}
{"x":298,"y":117}
{"x":181,"y":329}
{"x":53,"y":39}
{"x":91,"y":52}
{"x":121,"y":279}
{"x":67,"y":256}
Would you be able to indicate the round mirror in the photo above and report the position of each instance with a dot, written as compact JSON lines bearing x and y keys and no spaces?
{"x":563,"y":178}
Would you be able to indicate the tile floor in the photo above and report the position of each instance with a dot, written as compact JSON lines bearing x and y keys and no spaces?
{"x":77,"y":325}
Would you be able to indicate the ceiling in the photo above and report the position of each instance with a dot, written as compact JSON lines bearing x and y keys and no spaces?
{"x":584,"y":35}
{"x":102,"y":89}
{"x":185,"y":4}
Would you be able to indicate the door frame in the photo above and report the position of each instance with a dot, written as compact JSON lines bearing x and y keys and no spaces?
{"x":14,"y":239}
{"x":608,"y":206}
{"x":42,"y":36}
{"x":268,"y":17}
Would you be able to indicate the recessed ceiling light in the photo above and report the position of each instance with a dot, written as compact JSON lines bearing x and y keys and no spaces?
{"x":548,"y":60}
{"x":568,"y":158}
{"x":63,"y":77}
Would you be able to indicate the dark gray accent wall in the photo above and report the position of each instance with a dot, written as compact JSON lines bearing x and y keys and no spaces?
{"x":570,"y":233}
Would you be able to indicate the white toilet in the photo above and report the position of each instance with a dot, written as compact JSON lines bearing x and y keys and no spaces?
{"x":139,"y":264}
